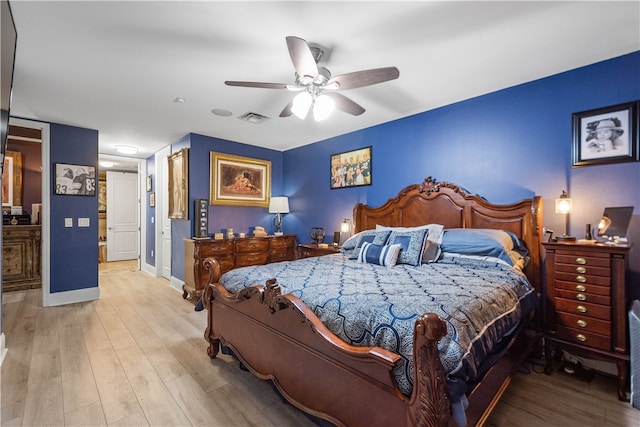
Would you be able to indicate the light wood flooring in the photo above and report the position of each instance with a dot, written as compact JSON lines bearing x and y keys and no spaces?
{"x":137,"y":357}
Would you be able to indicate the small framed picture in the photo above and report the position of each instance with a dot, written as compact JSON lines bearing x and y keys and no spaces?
{"x":74,"y":180}
{"x":351,"y":168}
{"x":149,"y":181}
{"x":606,"y":135}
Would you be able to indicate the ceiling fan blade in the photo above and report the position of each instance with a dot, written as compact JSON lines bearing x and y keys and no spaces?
{"x":364,"y":78}
{"x":258,"y":85}
{"x":286,"y":112}
{"x":345,"y":104}
{"x":302,"y":58}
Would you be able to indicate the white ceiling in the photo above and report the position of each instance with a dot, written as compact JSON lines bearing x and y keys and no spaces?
{"x":118,"y":66}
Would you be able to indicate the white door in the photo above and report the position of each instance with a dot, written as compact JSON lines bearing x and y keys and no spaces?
{"x":122,"y":216}
{"x":163,"y":237}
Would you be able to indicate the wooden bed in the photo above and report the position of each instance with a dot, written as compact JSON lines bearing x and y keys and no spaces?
{"x":278,"y":337}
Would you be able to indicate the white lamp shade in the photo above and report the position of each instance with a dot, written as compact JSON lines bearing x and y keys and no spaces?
{"x":301,"y":104}
{"x":564,"y":205}
{"x":279,"y":204}
{"x":322,"y":107}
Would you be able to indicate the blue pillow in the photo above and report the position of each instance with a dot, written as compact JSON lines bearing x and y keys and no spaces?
{"x":386,"y":255}
{"x":484,"y":242}
{"x":412,"y":244}
{"x":353,"y":245}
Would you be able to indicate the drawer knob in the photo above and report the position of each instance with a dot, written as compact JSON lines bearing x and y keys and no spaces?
{"x":581,"y":309}
{"x":581,"y":297}
{"x":581,"y":260}
{"x":581,"y":288}
{"x":581,"y":338}
{"x":581,"y":279}
{"x":581,"y":269}
{"x":581,"y":323}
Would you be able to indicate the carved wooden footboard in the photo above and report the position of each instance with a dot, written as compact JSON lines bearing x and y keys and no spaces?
{"x":278,"y":337}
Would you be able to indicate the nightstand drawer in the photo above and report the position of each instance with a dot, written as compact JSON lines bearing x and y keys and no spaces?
{"x":586,"y":270}
{"x":584,"y":338}
{"x":584,"y":287}
{"x":597,"y":326}
{"x":594,"y":259}
{"x":583,"y":297}
{"x":583,"y":308}
{"x":583,"y":278}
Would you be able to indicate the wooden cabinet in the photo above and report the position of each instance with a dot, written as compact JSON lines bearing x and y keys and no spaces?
{"x":307,"y":250}
{"x":21,"y":257}
{"x":585,"y":304}
{"x":230,"y":254}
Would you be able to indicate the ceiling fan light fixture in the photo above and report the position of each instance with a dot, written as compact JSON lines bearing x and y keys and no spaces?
{"x":301,"y":104}
{"x":322,"y":107}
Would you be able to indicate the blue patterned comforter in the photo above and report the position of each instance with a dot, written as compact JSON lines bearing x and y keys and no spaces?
{"x":371,"y":305}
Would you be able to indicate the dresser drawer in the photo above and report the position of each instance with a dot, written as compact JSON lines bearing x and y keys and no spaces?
{"x":583,"y":308}
{"x":226,"y":263}
{"x":283,"y":242}
{"x":246,"y":259}
{"x":282,"y":255}
{"x":583,"y":297}
{"x":589,"y":324}
{"x":252,"y":245}
{"x":585,"y":338}
{"x":583,"y":287}
{"x":593,"y":259}
{"x":215,"y":249}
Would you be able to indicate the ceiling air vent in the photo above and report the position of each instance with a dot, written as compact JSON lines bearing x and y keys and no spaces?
{"x":254,"y":118}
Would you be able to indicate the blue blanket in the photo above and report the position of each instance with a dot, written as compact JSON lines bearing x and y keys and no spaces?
{"x":371,"y":305}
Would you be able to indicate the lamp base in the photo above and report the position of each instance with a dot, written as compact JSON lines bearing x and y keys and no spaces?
{"x":565,"y":238}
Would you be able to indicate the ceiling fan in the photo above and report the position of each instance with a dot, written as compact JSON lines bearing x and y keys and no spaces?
{"x":318,"y":90}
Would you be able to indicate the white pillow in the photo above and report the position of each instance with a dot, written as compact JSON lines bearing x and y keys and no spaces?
{"x":434,"y":239}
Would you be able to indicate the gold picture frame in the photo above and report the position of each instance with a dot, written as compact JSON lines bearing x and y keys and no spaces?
{"x":239,"y":181}
{"x":178,"y":187}
{"x":12,"y":179}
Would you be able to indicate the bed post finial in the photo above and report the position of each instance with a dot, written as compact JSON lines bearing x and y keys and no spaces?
{"x":430,"y":185}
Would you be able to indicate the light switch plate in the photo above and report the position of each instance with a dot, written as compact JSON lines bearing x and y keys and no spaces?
{"x":83,"y":222}
{"x":68,"y":222}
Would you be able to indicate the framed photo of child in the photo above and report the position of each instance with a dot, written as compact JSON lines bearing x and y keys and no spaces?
{"x":606,"y":135}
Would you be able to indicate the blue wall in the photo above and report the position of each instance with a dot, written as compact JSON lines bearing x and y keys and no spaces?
{"x":507,"y":145}
{"x":220,"y":217}
{"x":74,"y":251}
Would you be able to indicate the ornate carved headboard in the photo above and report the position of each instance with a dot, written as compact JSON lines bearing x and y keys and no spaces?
{"x":444,"y":203}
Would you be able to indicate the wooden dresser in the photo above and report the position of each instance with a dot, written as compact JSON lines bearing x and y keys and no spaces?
{"x":21,"y":257}
{"x":585,"y":304}
{"x":231,"y":253}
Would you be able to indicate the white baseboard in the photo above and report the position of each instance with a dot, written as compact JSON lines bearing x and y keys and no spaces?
{"x":70,"y":297}
{"x":3,"y":349}
{"x":149,"y":269}
{"x":176,"y":284}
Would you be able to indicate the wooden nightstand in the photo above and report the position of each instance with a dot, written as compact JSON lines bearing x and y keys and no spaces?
{"x":307,"y":250}
{"x":585,"y":304}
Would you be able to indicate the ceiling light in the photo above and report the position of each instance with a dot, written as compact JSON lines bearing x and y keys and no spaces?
{"x":221,"y":112}
{"x":106,"y":164}
{"x":179,"y":100}
{"x":126,"y":149}
{"x":301,"y":104}
{"x":322,"y":107}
